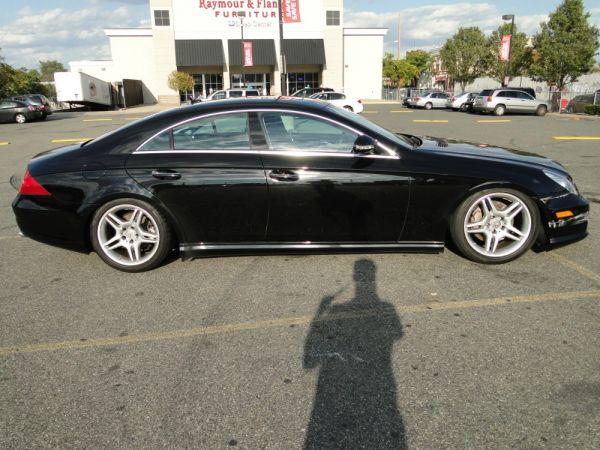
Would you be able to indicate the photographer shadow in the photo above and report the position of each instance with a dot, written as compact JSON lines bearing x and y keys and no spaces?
{"x":351,"y":345}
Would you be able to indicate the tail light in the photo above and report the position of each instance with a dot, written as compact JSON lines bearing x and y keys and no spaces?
{"x":30,"y":186}
{"x":453,"y":99}
{"x":42,"y":107}
{"x":31,"y":108}
{"x":489,"y":99}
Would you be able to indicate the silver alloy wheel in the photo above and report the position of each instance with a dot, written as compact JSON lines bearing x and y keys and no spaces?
{"x":20,"y":118}
{"x":498,"y":225}
{"x":128,"y":235}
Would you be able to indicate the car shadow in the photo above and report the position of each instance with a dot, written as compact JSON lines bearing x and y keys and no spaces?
{"x":351,"y":344}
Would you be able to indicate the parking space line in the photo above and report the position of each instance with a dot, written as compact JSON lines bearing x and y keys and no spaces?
{"x":370,"y":112}
{"x":494,"y":121}
{"x":577,"y":138}
{"x":133,"y":118}
{"x":56,"y":141}
{"x":589,"y":274}
{"x":299,"y":321}
{"x":402,"y":111}
{"x":97,"y":120}
{"x":430,"y":121}
{"x":4,"y":143}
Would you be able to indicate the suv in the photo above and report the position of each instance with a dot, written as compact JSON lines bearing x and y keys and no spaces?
{"x":38,"y":100}
{"x":501,"y":101}
{"x":229,"y":93}
{"x":308,"y":92}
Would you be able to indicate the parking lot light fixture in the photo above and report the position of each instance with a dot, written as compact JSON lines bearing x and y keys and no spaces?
{"x":507,"y":17}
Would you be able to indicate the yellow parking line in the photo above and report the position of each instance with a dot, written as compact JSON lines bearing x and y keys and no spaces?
{"x":577,"y":138}
{"x":370,"y":112}
{"x":430,"y":121}
{"x":133,"y":118}
{"x":287,"y":321}
{"x":4,"y":143}
{"x":97,"y":120}
{"x":494,"y":121}
{"x":576,"y":267}
{"x":402,"y":111}
{"x":71,"y":140}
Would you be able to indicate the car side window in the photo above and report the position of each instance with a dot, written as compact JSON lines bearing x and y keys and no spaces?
{"x":336,"y":96}
{"x":219,"y":96}
{"x":162,"y":142}
{"x":525,"y":96}
{"x":290,"y":131}
{"x":223,"y":132}
{"x":236,"y":94}
{"x":252,"y":94}
{"x":502,"y":94}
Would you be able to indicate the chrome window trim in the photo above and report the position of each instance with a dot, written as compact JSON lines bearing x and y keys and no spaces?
{"x":295,"y":154}
{"x":392,"y":154}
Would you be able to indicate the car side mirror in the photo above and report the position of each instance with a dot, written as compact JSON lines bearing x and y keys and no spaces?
{"x":365,"y":145}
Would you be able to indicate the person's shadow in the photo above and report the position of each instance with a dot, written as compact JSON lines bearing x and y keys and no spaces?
{"x":351,"y":344}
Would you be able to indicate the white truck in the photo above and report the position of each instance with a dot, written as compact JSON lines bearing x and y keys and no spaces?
{"x":82,"y":89}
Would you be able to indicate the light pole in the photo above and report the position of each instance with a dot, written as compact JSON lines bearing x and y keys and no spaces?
{"x":510,"y":17}
{"x":242,"y":15}
{"x":282,"y":68}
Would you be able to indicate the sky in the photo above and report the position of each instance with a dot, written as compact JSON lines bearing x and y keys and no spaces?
{"x":69,"y":30}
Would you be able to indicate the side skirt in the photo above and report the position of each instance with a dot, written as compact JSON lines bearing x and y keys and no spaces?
{"x":189,"y":251}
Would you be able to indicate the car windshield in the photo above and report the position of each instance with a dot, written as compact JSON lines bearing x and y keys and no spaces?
{"x":393,"y":137}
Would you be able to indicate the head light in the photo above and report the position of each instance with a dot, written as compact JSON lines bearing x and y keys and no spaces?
{"x":562,"y":180}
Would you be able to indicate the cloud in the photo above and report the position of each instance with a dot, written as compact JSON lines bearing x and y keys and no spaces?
{"x":429,"y":26}
{"x":62,"y":34}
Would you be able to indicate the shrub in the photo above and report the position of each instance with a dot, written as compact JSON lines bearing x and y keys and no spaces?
{"x":593,"y":110}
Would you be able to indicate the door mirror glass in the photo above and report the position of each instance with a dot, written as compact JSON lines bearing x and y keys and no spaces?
{"x":365,"y":145}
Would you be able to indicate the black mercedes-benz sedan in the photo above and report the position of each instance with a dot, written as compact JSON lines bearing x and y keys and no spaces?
{"x":248,"y":176}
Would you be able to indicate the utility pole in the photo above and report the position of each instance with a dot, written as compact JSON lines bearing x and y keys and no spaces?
{"x":399,"y":33}
{"x":282,"y":62}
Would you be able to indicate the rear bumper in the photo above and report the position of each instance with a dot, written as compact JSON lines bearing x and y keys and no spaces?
{"x":44,"y":220}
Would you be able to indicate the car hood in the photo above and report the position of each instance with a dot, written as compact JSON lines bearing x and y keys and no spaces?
{"x":485,"y":151}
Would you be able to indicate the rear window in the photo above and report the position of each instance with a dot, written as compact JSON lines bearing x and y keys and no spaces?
{"x":487,"y":92}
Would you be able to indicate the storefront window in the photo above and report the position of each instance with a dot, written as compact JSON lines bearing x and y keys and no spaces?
{"x":297,"y":81}
{"x":258,"y":81}
{"x":207,"y":83}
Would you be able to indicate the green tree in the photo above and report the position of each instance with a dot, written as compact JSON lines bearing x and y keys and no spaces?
{"x":520,"y":55}
{"x":465,"y":55}
{"x":398,"y":71}
{"x":181,"y":81}
{"x":49,"y":68}
{"x":566,"y":45}
{"x":422,"y":60}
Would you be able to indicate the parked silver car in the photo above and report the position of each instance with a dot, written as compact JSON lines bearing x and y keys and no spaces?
{"x":430,"y":100}
{"x":502,"y":101}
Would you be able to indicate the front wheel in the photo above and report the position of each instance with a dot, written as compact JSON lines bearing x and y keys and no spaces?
{"x":428,"y":106}
{"x":541,"y":111}
{"x":349,"y":108}
{"x":495,"y":226}
{"x":20,"y":118}
{"x":130,"y":235}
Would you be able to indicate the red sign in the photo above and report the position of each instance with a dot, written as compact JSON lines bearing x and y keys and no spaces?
{"x":248,"y":54}
{"x":290,"y":10}
{"x":504,"y":51}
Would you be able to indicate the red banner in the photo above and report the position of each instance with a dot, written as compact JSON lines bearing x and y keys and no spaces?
{"x":248,"y":54}
{"x":504,"y":51}
{"x":290,"y":10}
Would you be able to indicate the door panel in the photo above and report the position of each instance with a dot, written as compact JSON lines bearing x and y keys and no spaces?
{"x":319,"y":191}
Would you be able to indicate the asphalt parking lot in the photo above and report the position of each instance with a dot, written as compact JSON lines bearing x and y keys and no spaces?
{"x":319,"y":352}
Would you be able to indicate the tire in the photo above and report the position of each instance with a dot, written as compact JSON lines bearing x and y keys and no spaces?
{"x":138,"y":225}
{"x":492,"y":246}
{"x":349,"y":108}
{"x":20,"y":118}
{"x":541,"y":111}
{"x":44,"y":117}
{"x":428,"y":106}
{"x":500,"y":110}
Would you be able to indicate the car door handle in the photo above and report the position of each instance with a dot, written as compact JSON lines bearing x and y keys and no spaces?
{"x":284,"y":175}
{"x":166,"y":174}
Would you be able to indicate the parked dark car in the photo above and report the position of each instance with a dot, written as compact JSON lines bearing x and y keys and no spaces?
{"x":17,"y":111}
{"x":307,"y":92}
{"x":579,"y":103}
{"x":256,"y":175}
{"x":36,"y":99}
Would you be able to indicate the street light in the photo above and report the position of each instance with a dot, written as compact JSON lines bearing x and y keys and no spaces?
{"x":510,"y":17}
{"x":242,"y":15}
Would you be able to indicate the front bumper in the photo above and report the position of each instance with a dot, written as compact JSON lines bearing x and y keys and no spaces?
{"x":563,"y":231}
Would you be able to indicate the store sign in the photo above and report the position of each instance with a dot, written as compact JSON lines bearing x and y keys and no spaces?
{"x":230,"y":9}
{"x":290,"y":10}
{"x":504,"y":51}
{"x":248,"y":54}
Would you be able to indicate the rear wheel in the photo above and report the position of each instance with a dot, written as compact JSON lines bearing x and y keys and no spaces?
{"x":349,"y":108}
{"x":500,"y":110}
{"x":495,"y":226}
{"x":130,"y":235}
{"x":20,"y":118}
{"x":541,"y":111}
{"x":428,"y":105}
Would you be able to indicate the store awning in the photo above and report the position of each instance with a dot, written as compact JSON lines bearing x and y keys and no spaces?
{"x":304,"y":51}
{"x":205,"y":52}
{"x":263,"y":52}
